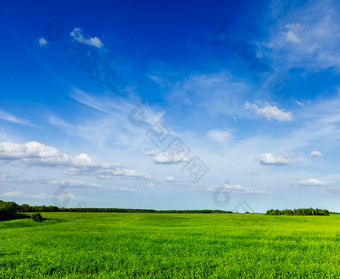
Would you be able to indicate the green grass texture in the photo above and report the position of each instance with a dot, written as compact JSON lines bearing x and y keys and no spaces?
{"x":154,"y":245}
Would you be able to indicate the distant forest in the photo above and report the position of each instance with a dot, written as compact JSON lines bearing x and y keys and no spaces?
{"x":9,"y":210}
{"x":299,"y":211}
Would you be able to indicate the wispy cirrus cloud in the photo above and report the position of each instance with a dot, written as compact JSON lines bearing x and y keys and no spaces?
{"x":331,"y":191}
{"x":220,"y":136}
{"x":305,"y":35}
{"x":123,"y":189}
{"x":11,"y":118}
{"x":75,"y":183}
{"x":311,"y":182}
{"x":70,"y":183}
{"x":13,"y":194}
{"x":215,"y":93}
{"x":237,"y":189}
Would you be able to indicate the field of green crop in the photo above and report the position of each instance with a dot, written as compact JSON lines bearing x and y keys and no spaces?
{"x":124,"y":245}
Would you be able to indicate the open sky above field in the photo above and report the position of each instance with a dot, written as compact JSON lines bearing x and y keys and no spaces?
{"x":231,"y":105}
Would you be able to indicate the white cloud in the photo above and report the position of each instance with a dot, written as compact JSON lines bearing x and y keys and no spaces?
{"x":95,"y":41}
{"x":270,"y":112}
{"x":78,"y":35}
{"x":252,"y":172}
{"x":67,"y":196}
{"x":311,"y":182}
{"x":220,"y":136}
{"x":21,"y":194}
{"x":42,"y":42}
{"x":5,"y":177}
{"x":11,"y":118}
{"x":37,"y":154}
{"x":30,"y":150}
{"x":237,"y":189}
{"x":270,"y":159}
{"x":19,"y":178}
{"x":306,"y":35}
{"x":291,"y":34}
{"x":331,"y":191}
{"x":123,"y":189}
{"x":120,"y":121}
{"x":316,"y":154}
{"x":75,"y":183}
{"x":166,"y":158}
{"x":216,"y":93}
{"x":299,"y":103}
{"x":169,"y":178}
{"x":151,"y":152}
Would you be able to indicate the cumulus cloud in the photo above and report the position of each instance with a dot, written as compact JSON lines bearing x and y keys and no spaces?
{"x":167,"y":158}
{"x":311,"y":182}
{"x":37,"y":154}
{"x":78,"y":35}
{"x":277,"y":160}
{"x":42,"y":42}
{"x":316,"y":154}
{"x":269,"y":112}
{"x":237,"y":189}
{"x":220,"y":136}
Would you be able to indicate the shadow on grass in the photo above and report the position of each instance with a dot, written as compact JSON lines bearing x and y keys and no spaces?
{"x":14,"y":217}
{"x":17,"y":216}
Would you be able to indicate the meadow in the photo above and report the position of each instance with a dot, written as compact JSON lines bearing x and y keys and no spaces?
{"x":160,"y":245}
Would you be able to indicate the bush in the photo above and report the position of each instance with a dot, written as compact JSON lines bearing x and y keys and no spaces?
{"x":7,"y":210}
{"x":37,"y":217}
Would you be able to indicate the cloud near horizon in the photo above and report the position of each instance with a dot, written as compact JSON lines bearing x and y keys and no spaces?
{"x":37,"y":154}
{"x":237,"y":189}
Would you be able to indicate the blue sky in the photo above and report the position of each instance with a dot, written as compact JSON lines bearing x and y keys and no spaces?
{"x":171,"y":105}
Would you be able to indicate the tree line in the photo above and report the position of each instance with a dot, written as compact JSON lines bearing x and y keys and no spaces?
{"x":9,"y":209}
{"x":299,"y":211}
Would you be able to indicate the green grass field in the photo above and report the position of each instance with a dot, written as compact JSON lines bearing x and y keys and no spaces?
{"x":125,"y":245}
